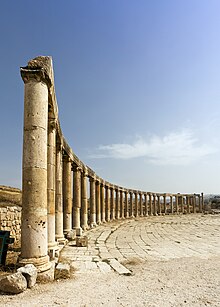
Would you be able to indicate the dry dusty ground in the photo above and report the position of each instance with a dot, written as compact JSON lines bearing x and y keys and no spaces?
{"x":172,"y":267}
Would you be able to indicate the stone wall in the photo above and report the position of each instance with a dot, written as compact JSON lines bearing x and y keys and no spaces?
{"x":10,"y":212}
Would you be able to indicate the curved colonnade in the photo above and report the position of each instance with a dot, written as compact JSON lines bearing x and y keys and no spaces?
{"x":56,"y":197}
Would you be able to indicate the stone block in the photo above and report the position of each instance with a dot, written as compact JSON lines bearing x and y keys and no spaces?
{"x":82,"y":241}
{"x":29,"y":271}
{"x":62,"y":271}
{"x":14,"y":283}
{"x":71,"y":235}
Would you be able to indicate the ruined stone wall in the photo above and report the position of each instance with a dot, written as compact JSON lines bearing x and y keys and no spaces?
{"x":10,"y":212}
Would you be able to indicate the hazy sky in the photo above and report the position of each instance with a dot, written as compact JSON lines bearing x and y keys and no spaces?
{"x":137,"y":84}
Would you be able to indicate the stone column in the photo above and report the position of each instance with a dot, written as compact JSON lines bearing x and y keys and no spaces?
{"x":92,"y":203}
{"x":112,"y":206}
{"x":102,"y":191}
{"x":136,"y":204}
{"x":155,"y":204}
{"x":59,"y":196}
{"x":131,"y":204}
{"x":177,"y":204}
{"x":146,"y":204}
{"x":126,"y":204}
{"x":107,"y":204}
{"x":165,"y":203}
{"x":150,"y":205}
{"x":187,"y":204}
{"x":122,"y":215}
{"x":34,"y":175}
{"x":51,"y":183}
{"x":117,"y":205}
{"x":67,"y":195}
{"x":182,"y":205}
{"x":171,"y":204}
{"x":194,"y":203}
{"x":76,"y":199}
{"x":141,"y":204}
{"x":159,"y":205}
{"x":202,"y":197}
{"x":84,"y":200}
{"x":98,"y":204}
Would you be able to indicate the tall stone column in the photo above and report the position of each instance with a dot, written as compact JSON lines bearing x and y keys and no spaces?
{"x":98,"y":204}
{"x":177,"y":204}
{"x":159,"y":205}
{"x":117,"y":205}
{"x":112,"y":207}
{"x":84,"y":200}
{"x":59,"y":196}
{"x":34,"y":176}
{"x":194,"y":203}
{"x":126,"y":204}
{"x":102,"y":191}
{"x":131,"y":204}
{"x":92,"y":203}
{"x":107,"y":204}
{"x":165,"y":203}
{"x":202,"y":199}
{"x":171,"y":204}
{"x":150,"y":205}
{"x":136,"y":204}
{"x":155,"y":204}
{"x":122,"y":215}
{"x":67,"y":194}
{"x":141,"y":204}
{"x":146,"y":204}
{"x":188,"y":204}
{"x":76,"y":198}
{"x":51,"y":183}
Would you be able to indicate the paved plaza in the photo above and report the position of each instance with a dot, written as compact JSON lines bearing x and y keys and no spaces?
{"x":146,"y":239}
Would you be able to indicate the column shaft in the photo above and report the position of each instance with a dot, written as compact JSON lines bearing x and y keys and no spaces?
{"x":34,"y":176}
{"x":136,"y":204}
{"x":141,"y":205}
{"x":98,"y":204}
{"x":76,"y":198}
{"x":67,"y":195}
{"x":102,"y":202}
{"x":59,"y":196}
{"x":84,"y":201}
{"x":92,"y":203}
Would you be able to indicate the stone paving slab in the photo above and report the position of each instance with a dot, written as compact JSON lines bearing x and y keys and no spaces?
{"x":147,"y":239}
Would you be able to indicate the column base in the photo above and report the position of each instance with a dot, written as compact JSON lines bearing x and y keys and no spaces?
{"x":53,"y":250}
{"x":45,"y":269}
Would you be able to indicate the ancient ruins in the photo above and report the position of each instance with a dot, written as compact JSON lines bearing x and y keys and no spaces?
{"x":55,"y":199}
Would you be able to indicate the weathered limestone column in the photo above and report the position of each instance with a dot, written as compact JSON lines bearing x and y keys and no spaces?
{"x":117,"y":205}
{"x":171,"y":204}
{"x":34,"y":176}
{"x":51,"y":183}
{"x":155,"y":204}
{"x":59,"y":196}
{"x":136,"y":203}
{"x":165,"y":203}
{"x":182,"y":205}
{"x":102,"y":192}
{"x":194,"y":203}
{"x":112,"y":205}
{"x":150,"y":205}
{"x":188,"y":204}
{"x":146,"y":204}
{"x":67,"y":194}
{"x":202,"y":197}
{"x":131,"y":204}
{"x":159,"y":205}
{"x":92,"y":203}
{"x":122,"y":215}
{"x":177,"y":204}
{"x":141,"y":204}
{"x":76,"y":198}
{"x":107,"y":204}
{"x":84,"y":200}
{"x":98,"y":204}
{"x":126,"y":204}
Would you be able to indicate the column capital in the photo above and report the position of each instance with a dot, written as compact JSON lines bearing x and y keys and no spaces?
{"x":52,"y":124}
{"x":76,"y":168}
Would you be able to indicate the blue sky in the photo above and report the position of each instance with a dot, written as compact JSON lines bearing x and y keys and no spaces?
{"x":137,"y":84}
